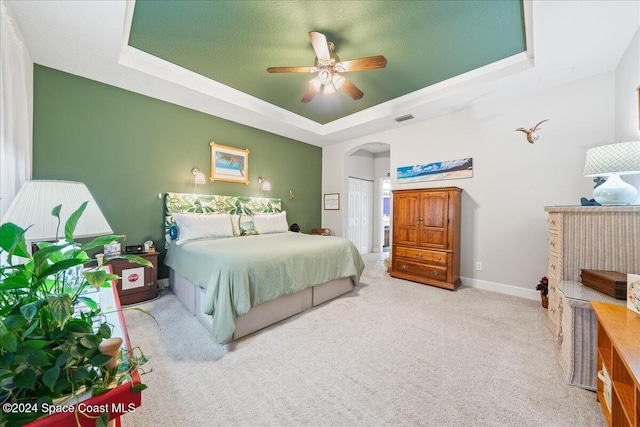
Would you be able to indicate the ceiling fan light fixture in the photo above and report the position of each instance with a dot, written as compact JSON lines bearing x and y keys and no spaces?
{"x":328,"y":89}
{"x":325,"y":76}
{"x":316,"y":84}
{"x":337,"y":81}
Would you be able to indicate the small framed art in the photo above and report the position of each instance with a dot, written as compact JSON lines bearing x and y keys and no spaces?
{"x":633,"y":292}
{"x":332,"y":202}
{"x":229,"y":164}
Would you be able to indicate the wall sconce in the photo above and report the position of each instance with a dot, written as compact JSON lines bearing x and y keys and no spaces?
{"x":265,"y":185}
{"x":198,"y":176}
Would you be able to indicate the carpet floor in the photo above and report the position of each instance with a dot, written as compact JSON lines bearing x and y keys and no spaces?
{"x":390,"y":353}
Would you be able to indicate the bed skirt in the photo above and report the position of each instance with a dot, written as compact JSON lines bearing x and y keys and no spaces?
{"x":262,"y":315}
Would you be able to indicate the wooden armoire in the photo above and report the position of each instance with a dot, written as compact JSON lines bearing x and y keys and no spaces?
{"x":426,"y":236}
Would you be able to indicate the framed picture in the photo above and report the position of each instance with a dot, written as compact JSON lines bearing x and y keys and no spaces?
{"x":229,"y":164}
{"x":332,"y":202}
{"x":449,"y":169}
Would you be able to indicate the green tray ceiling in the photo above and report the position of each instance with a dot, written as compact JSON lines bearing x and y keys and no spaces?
{"x":233,"y":42}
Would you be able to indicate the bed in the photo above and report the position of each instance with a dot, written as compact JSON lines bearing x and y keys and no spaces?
{"x":236,"y":267}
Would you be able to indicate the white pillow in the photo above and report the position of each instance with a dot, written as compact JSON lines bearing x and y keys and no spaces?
{"x":271,"y":223}
{"x":201,"y":226}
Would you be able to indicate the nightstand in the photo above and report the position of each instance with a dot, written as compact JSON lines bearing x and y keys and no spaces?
{"x":137,"y":283}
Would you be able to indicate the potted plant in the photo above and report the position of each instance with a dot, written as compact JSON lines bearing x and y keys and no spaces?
{"x":543,"y":287}
{"x":48,"y":349}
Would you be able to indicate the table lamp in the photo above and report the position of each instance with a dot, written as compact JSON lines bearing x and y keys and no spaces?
{"x":612,"y":161}
{"x":34,"y":202}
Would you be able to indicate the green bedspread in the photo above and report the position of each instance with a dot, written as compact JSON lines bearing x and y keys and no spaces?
{"x":241,"y":272}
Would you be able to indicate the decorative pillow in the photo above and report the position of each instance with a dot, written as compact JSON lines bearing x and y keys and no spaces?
{"x":245,"y":224}
{"x":271,"y":223}
{"x":201,"y":226}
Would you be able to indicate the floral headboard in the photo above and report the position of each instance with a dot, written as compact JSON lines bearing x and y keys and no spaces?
{"x":240,"y":208}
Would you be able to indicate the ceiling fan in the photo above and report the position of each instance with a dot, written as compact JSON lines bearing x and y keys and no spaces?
{"x":329,"y":69}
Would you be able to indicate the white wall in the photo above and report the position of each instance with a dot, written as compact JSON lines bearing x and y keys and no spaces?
{"x":626,"y":112}
{"x":503,"y":219}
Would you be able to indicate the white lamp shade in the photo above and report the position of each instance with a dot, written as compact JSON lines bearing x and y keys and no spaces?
{"x":621,"y":159}
{"x":36,"y":199}
{"x":199,"y":178}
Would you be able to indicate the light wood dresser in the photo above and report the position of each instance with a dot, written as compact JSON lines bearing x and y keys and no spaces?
{"x":585,"y":237}
{"x":426,"y":236}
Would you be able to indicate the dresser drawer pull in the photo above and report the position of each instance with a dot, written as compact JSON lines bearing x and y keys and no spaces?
{"x":418,"y":255}
{"x":403,"y":266}
{"x":552,"y":221}
{"x":553,"y":266}
{"x":434,"y":273}
{"x":553,"y":243}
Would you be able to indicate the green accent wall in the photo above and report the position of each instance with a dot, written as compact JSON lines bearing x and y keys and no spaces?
{"x":128,"y":147}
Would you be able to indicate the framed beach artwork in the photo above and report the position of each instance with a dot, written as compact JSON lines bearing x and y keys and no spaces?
{"x":449,"y":169}
{"x":229,"y":164}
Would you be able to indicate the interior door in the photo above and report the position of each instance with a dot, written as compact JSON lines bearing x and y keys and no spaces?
{"x":434,"y":219}
{"x":405,"y":218}
{"x":361,"y":214}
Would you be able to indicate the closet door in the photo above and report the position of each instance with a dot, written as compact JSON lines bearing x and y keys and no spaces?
{"x":361,"y":214}
{"x":355,"y":204}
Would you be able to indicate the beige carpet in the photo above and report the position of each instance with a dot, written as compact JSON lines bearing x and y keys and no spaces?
{"x":390,"y":353}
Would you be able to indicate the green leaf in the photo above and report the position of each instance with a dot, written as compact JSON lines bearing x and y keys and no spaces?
{"x":91,"y":303}
{"x":9,"y":341}
{"x":102,"y":420}
{"x":100,"y":241}
{"x":29,"y":310}
{"x":6,"y":360}
{"x":61,"y":307}
{"x":70,"y":226}
{"x":25,"y":379}
{"x":56,"y":211}
{"x":60,"y":266}
{"x":90,"y":341}
{"x":95,"y":277}
{"x":50,"y":377}
{"x":62,"y":359}
{"x":14,"y":322}
{"x":137,"y":388}
{"x":30,"y":329}
{"x":12,"y":240}
{"x":80,"y":374}
{"x":16,"y":281}
{"x":100,"y":360}
{"x":38,"y":358}
{"x":104,"y":331}
{"x":28,"y":346}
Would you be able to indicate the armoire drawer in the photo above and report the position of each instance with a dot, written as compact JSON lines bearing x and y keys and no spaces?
{"x":428,"y":271}
{"x":422,"y":255}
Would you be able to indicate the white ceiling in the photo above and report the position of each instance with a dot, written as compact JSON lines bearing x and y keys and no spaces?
{"x":567,"y":40}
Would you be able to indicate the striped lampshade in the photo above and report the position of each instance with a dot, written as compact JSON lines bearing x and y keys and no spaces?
{"x":36,"y":199}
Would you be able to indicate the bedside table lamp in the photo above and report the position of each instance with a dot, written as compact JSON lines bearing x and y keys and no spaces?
{"x":36,"y":199}
{"x":612,"y":161}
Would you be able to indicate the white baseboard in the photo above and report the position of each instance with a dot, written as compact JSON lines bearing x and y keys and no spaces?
{"x":163,"y":283}
{"x":531,"y":294}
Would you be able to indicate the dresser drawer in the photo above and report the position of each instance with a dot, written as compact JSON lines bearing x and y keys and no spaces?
{"x":425,"y":270}
{"x":422,"y":255}
{"x":554,"y":266}
{"x":554,"y":221}
{"x":555,"y":243}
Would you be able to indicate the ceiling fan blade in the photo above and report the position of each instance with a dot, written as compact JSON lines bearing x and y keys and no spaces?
{"x":291,"y":69}
{"x":351,"y":89}
{"x":369,"y":63}
{"x":309,"y":94}
{"x":320,"y":46}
